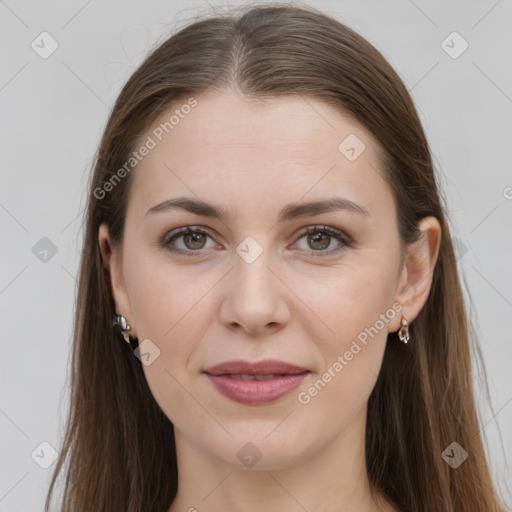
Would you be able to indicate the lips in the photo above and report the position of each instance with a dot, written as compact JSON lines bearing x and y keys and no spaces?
{"x":266,"y":367}
{"x":256,"y":383}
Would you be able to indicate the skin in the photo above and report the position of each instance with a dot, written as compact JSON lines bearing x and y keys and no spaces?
{"x":254,"y":157}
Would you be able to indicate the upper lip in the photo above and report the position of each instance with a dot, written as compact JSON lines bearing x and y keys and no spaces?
{"x":265,"y":367}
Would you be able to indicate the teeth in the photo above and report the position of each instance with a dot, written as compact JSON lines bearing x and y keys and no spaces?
{"x":245,"y":376}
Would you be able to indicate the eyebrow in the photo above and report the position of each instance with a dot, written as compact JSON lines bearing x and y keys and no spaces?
{"x":289,"y":212}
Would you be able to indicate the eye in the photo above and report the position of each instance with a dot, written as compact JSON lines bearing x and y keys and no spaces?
{"x":320,"y":238}
{"x":193,"y":240}
{"x":190,"y":240}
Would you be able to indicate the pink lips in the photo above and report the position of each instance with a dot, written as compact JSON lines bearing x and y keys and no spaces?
{"x":256,"y":383}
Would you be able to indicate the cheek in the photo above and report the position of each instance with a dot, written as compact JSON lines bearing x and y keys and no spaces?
{"x":167,"y":308}
{"x":166,"y":302}
{"x":354,"y":307}
{"x":358,"y":313}
{"x":351,"y":299}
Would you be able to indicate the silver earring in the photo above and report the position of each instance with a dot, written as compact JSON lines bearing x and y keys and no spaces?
{"x":403,"y":333}
{"x":122,"y":324}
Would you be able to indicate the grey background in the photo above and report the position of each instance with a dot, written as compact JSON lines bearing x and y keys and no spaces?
{"x":53,"y":111}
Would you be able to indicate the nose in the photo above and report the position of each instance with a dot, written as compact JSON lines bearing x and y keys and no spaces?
{"x":255,"y":300}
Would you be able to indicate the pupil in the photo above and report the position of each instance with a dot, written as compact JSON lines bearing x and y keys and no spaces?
{"x":315,"y":239}
{"x":195,"y":237}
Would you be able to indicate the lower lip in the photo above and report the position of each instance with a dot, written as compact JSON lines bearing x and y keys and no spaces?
{"x":256,"y":391}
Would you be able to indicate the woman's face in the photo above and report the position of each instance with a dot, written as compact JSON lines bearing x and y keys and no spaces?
{"x":254,"y":285}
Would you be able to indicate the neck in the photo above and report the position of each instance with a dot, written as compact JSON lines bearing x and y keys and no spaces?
{"x":333,"y":478}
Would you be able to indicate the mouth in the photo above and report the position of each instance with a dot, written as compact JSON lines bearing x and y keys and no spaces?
{"x":247,"y":376}
{"x":256,"y":383}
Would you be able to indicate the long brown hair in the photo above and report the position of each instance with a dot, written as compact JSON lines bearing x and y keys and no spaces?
{"x":118,"y":453}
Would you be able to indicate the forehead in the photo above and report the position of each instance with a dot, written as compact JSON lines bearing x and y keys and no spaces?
{"x":230,"y":146}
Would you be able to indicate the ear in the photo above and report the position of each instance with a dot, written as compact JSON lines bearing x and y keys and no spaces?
{"x":112,"y":260}
{"x":418,"y":269}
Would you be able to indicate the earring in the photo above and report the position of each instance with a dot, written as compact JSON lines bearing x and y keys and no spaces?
{"x":122,"y":324}
{"x":403,"y":333}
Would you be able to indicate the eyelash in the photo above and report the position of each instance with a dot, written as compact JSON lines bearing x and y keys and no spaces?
{"x":345,"y":240}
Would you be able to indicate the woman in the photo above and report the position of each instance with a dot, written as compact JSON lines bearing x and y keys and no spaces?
{"x":265,"y":231}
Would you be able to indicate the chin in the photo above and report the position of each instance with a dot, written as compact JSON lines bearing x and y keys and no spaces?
{"x":262,"y":451}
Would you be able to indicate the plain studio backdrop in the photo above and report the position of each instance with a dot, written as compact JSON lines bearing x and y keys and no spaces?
{"x":63,"y":65}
